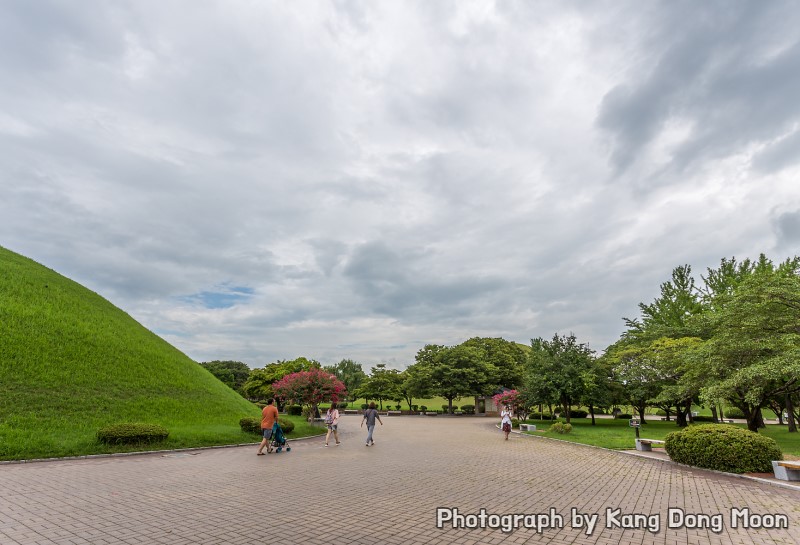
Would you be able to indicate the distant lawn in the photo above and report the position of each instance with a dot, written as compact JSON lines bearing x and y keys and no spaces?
{"x":617,"y":433}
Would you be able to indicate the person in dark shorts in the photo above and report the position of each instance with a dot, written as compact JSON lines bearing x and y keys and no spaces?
{"x":269,"y":415}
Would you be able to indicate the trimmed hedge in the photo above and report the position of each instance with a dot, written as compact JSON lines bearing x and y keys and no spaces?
{"x":468,"y":409}
{"x":294,"y":410}
{"x":723,"y":448}
{"x":250,"y":424}
{"x":561,"y":427}
{"x":132,"y":434}
{"x":578,"y":413}
{"x":733,"y":412}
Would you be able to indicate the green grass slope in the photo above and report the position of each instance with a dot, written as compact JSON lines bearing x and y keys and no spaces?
{"x":71,"y":362}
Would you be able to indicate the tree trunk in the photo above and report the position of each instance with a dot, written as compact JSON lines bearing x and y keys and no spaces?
{"x":591,"y":412}
{"x":680,"y":416}
{"x":565,"y":403}
{"x":640,"y":409}
{"x":753,"y":420}
{"x":714,"y":414}
{"x":790,"y":414}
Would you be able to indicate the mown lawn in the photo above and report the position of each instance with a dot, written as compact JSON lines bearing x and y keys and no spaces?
{"x":617,"y":433}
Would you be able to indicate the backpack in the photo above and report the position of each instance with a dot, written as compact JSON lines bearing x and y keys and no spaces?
{"x":329,"y":418}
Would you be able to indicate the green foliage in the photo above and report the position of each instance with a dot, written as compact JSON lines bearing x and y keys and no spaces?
{"x":250,"y":424}
{"x":364,"y":406}
{"x":233,"y":373}
{"x":294,"y":410}
{"x":132,"y":434}
{"x":723,"y":448}
{"x":350,"y":373}
{"x":560,"y":427}
{"x":423,"y":408}
{"x":71,"y":361}
{"x":382,"y":384}
{"x":578,"y":413}
{"x":414,"y":408}
{"x":733,"y":412}
{"x":286,"y":425}
{"x":468,"y":409}
{"x":623,"y":416}
{"x":558,"y":369}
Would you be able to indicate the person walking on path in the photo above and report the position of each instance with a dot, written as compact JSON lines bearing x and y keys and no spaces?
{"x":269,"y":415}
{"x":505,"y":421}
{"x":369,"y":417}
{"x":332,"y":421}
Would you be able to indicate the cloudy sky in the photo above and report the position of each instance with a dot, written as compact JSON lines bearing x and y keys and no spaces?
{"x":260,"y":180}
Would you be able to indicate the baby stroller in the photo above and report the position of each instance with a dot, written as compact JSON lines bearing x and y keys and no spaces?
{"x":278,"y":441}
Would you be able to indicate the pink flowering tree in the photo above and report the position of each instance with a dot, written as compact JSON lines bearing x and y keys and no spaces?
{"x":513,"y":399}
{"x":309,"y":388}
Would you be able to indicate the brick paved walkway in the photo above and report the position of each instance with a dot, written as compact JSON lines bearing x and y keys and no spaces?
{"x":387,"y":494}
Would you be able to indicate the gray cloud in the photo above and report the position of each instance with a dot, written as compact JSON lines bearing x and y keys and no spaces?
{"x":374,"y":176}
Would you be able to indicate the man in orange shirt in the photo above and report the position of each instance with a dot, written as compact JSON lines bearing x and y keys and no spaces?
{"x":269,"y":415}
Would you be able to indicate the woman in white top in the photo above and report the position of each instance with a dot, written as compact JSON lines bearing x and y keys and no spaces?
{"x":505,"y":421}
{"x":332,"y":421}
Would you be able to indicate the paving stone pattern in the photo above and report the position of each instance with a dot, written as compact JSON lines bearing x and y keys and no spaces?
{"x":386,"y":494}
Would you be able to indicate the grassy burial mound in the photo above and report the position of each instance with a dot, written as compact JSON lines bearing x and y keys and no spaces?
{"x":71,"y":363}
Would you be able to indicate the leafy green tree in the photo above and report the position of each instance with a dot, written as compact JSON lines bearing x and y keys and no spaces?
{"x":259,"y":383}
{"x":232,"y":373}
{"x":382,"y":384}
{"x":507,"y":360}
{"x":458,"y":371}
{"x":350,"y":373}
{"x":561,"y":365}
{"x":754,"y":353}
{"x":416,"y":382}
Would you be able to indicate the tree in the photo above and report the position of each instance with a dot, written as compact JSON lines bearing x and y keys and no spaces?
{"x":309,"y":388}
{"x":505,"y":358}
{"x":754,"y":353}
{"x":560,"y":364}
{"x":416,"y":382}
{"x":350,"y":373}
{"x":381,"y":384}
{"x":232,"y":373}
{"x":259,"y":383}
{"x":457,"y":371}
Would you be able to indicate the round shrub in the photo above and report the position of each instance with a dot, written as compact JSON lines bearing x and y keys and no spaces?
{"x":294,"y":410}
{"x":364,"y":406}
{"x":733,"y":412}
{"x":250,"y":424}
{"x":132,"y":434}
{"x":468,"y":409}
{"x":578,"y":413}
{"x":341,"y":406}
{"x":561,"y":427}
{"x":623,"y":416}
{"x":423,"y":408}
{"x":286,"y":425}
{"x":702,"y":418}
{"x":724,"y":448}
{"x":414,"y":407}
{"x":515,"y":422}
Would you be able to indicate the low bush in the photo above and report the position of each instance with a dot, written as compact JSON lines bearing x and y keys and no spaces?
{"x":515,"y":422}
{"x":294,"y":410}
{"x":702,"y":418}
{"x":423,"y":408}
{"x":579,"y":413}
{"x":468,"y":409}
{"x":364,"y":406}
{"x":341,"y":406}
{"x":286,"y":425}
{"x":723,"y":448}
{"x":398,"y":407}
{"x":560,"y":427}
{"x":661,"y":412}
{"x":414,"y":408}
{"x":733,"y":412}
{"x":623,"y":416}
{"x":132,"y":434}
{"x":250,"y":424}
{"x":539,"y":416}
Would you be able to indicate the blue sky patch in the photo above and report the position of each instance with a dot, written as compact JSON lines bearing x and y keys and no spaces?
{"x":223,"y":297}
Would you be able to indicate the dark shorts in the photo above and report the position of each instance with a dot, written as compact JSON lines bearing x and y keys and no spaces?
{"x":332,"y":427}
{"x":506,"y":427}
{"x":267,"y":433}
